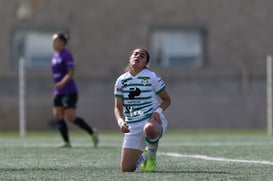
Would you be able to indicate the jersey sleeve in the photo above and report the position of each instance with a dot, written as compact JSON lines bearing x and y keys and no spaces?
{"x":69,"y":61}
{"x":118,"y":91}
{"x":158,"y":83}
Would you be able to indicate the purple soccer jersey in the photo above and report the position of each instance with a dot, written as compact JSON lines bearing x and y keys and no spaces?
{"x":61,"y":63}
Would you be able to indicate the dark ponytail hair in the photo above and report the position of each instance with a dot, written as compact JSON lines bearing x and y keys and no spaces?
{"x":147,"y":54}
{"x":62,"y":36}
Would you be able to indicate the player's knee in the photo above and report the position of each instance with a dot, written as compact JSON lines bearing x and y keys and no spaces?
{"x":70,"y":118}
{"x":151,"y":131}
{"x":58,"y":117}
{"x":127,"y":168}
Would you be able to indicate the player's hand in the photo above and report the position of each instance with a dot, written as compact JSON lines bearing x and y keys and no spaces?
{"x":59,"y":85}
{"x":124,"y":128}
{"x":155,"y":118}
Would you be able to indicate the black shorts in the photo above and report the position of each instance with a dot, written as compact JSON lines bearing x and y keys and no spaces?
{"x":66,"y":101}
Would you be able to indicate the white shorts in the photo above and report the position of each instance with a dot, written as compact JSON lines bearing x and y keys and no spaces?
{"x":135,"y":138}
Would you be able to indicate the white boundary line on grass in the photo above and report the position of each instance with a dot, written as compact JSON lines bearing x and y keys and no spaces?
{"x":204,"y":157}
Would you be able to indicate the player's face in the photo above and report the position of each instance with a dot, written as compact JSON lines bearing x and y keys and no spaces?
{"x":138,"y":59}
{"x":57,"y":44}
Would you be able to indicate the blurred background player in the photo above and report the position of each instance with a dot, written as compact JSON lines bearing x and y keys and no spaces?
{"x":139,"y":113}
{"x":65,"y":92}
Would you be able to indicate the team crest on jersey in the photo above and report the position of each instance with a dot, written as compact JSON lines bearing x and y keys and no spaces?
{"x":145,"y":80}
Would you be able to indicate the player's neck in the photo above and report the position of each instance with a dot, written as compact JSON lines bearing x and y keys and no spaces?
{"x":134,"y":71}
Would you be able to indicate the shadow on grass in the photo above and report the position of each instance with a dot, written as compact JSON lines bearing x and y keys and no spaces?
{"x":26,"y":169}
{"x":185,"y":172}
{"x":92,"y":147}
{"x":59,"y":169}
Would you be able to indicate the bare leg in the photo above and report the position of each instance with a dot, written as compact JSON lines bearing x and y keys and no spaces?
{"x":129,"y":159}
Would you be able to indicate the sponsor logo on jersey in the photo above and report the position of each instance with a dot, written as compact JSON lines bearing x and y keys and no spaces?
{"x":134,"y":92}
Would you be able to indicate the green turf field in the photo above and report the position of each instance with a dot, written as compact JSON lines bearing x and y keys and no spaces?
{"x":181,"y":156}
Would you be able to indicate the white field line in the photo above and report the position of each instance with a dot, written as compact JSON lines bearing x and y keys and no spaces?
{"x":204,"y":157}
{"x":215,"y":144}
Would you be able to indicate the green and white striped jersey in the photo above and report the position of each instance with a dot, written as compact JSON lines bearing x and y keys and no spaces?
{"x":139,"y":94}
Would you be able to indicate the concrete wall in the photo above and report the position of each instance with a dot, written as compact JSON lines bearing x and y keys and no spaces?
{"x":227,"y":93}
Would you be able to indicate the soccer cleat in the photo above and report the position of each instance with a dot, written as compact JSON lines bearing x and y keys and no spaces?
{"x":150,"y":165}
{"x":143,"y":165}
{"x":65,"y":145}
{"x":95,"y":138}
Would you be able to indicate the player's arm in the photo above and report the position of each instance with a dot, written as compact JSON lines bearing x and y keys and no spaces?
{"x":119,"y":115}
{"x":65,"y":79}
{"x":166,"y":101}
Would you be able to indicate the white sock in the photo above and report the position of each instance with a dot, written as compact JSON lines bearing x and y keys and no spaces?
{"x":152,"y":149}
{"x":141,"y":159}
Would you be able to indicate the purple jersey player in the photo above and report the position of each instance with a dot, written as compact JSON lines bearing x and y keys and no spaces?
{"x":65,"y":91}
{"x":62,"y":62}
